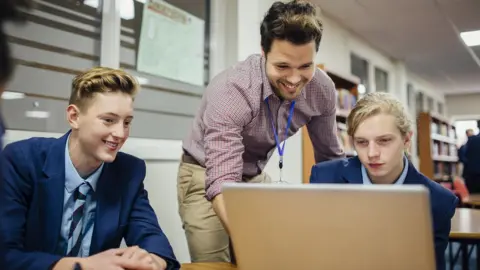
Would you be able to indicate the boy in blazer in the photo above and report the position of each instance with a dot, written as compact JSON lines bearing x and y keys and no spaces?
{"x":381,"y":132}
{"x":71,"y":200}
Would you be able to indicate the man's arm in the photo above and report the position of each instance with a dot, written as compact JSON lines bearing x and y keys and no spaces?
{"x":322,"y":129}
{"x":323,"y":134}
{"x":144,"y":231}
{"x":15,"y":195}
{"x":224,"y":120}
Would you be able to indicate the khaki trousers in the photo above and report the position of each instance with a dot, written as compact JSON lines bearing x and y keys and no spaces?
{"x":207,"y":239}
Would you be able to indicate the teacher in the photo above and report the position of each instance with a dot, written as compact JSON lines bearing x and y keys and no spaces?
{"x":247,"y":111}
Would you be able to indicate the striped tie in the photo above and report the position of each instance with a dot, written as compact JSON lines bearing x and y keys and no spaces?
{"x":76,"y":233}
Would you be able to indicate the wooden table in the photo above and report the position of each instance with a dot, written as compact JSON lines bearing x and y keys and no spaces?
{"x":473,"y":200}
{"x":466,"y":224}
{"x":465,"y":230}
{"x":208,"y":266}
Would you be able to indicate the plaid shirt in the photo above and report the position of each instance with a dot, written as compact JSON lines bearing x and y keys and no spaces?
{"x":232,"y":134}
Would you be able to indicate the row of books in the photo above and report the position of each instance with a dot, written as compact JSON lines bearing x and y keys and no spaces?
{"x":442,"y":129}
{"x":345,"y":99}
{"x":443,"y":149}
{"x":442,"y":170}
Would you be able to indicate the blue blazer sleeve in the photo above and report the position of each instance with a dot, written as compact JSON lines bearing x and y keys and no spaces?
{"x":15,"y":195}
{"x":143,"y":230}
{"x":324,"y":172}
{"x":442,"y":228}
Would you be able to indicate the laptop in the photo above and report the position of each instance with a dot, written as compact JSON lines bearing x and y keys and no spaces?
{"x":328,"y":226}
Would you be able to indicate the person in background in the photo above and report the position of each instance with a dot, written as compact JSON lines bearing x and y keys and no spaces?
{"x":381,"y":130}
{"x":247,"y":111}
{"x":462,"y":149}
{"x":71,"y":200}
{"x":471,"y":168}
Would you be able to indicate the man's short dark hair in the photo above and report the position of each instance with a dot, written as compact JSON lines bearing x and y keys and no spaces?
{"x":295,"y":21}
{"x":10,"y":10}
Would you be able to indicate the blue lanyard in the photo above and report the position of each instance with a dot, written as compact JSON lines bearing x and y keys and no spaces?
{"x":289,"y":121}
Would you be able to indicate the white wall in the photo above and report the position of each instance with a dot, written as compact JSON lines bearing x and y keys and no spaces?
{"x":464,"y":106}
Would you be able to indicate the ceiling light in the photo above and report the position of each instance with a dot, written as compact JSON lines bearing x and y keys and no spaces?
{"x":471,"y":38}
{"x":12,"y":95}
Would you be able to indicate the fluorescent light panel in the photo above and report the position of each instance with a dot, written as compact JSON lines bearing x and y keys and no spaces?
{"x":471,"y":38}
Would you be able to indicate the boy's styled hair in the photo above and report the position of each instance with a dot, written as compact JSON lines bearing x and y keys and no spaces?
{"x":101,"y":80}
{"x":295,"y":21}
{"x":10,"y":10}
{"x":375,"y":103}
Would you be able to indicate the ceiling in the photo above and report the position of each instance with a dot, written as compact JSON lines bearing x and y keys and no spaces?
{"x":422,"y":33}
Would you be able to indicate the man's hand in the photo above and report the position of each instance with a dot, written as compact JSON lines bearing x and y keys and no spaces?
{"x":219,"y":207}
{"x":137,"y":254}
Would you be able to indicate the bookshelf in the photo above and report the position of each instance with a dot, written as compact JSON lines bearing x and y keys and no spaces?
{"x":347,"y":95}
{"x":437,"y":149}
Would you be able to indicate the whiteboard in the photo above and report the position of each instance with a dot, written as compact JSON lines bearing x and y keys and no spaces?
{"x":171,"y":43}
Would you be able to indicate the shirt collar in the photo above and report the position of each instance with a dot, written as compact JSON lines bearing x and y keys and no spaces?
{"x":73,"y":179}
{"x":400,"y":180}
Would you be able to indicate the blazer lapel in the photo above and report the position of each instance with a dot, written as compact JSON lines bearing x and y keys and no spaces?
{"x":413,"y":176}
{"x":107,"y":215}
{"x":52,"y":186}
{"x":352,"y":172}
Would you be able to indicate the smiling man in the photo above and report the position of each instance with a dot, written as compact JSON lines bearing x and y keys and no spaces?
{"x":247,"y":111}
{"x":71,"y":200}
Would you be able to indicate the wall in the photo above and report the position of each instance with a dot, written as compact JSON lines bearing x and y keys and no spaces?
{"x":464,"y":106}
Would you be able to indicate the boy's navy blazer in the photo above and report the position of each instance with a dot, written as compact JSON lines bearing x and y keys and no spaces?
{"x":31,"y":206}
{"x":443,"y":202}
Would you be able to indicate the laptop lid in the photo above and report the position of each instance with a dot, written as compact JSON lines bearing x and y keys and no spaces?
{"x":330,"y":226}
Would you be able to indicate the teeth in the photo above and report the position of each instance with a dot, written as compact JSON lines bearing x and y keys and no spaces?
{"x":290,"y":86}
{"x":112,"y":144}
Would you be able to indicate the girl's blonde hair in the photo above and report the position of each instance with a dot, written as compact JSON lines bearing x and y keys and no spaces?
{"x":375,"y":103}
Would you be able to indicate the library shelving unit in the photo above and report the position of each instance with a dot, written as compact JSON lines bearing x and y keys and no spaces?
{"x":437,"y":148}
{"x":347,"y":95}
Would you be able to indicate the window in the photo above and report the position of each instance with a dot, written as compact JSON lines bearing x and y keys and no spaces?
{"x":430,"y":104}
{"x":60,"y":39}
{"x":410,"y":93}
{"x":440,"y":108}
{"x":168,"y":39}
{"x":381,"y":80}
{"x":359,"y":68}
{"x":419,"y":102}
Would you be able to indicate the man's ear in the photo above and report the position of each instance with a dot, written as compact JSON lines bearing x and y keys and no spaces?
{"x":73,"y":115}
